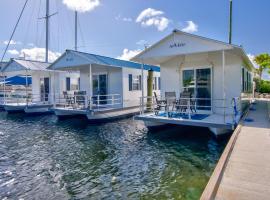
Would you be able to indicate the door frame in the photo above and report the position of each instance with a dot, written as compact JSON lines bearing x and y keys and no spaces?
{"x":195,"y":80}
{"x":45,"y":98}
{"x":98,"y":74}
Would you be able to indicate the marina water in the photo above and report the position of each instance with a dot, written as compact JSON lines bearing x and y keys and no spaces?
{"x":42,"y":157}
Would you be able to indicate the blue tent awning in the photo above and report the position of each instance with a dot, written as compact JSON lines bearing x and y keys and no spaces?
{"x":18,"y":80}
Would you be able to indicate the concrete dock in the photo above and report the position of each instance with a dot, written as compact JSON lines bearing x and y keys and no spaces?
{"x":243,"y":171}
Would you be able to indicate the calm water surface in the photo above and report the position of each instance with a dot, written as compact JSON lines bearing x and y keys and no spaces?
{"x":44,"y":158}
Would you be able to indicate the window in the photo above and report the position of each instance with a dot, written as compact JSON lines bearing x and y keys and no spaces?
{"x":134,"y":82}
{"x":198,"y":82}
{"x":243,"y":79}
{"x":68,"y":83}
{"x":159,"y":83}
{"x":246,"y":81}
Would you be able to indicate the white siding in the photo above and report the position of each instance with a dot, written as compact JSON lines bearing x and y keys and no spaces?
{"x":132,"y":98}
{"x":171,"y":75}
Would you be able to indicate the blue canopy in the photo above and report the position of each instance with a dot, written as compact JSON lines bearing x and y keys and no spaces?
{"x":18,"y":80}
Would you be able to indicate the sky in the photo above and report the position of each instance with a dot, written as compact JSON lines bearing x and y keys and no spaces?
{"x":121,"y":28}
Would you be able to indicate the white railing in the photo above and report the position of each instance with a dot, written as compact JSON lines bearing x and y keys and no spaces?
{"x":189,"y":106}
{"x":85,"y":102}
{"x":107,"y":101}
{"x":19,"y":98}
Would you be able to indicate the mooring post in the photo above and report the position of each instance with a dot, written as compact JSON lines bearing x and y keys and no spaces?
{"x":149,"y":90}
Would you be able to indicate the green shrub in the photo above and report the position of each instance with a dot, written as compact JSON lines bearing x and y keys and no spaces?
{"x":265,"y":87}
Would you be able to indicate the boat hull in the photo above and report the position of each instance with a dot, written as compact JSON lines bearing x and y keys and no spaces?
{"x":219,"y":131}
{"x":14,"y":108}
{"x":112,"y":114}
{"x":65,"y":113}
{"x":38,"y":109}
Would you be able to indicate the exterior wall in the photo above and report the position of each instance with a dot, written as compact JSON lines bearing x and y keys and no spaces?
{"x":57,"y":82}
{"x":84,"y":80}
{"x":115,"y":84}
{"x":132,"y":98}
{"x":171,"y":75}
{"x":114,"y":79}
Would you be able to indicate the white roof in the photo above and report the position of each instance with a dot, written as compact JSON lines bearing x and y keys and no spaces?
{"x":182,"y":43}
{"x":20,"y":64}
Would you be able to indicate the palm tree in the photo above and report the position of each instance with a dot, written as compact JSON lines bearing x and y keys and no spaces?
{"x":263,"y":61}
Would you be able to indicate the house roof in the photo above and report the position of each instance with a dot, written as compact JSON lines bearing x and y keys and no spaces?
{"x":224,"y":44}
{"x":26,"y":65}
{"x":104,"y":60}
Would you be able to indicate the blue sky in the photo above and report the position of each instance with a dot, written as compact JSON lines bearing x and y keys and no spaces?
{"x":112,"y":25}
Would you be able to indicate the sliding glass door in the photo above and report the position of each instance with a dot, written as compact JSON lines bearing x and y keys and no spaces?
{"x":198,"y":82}
{"x":100,"y":87}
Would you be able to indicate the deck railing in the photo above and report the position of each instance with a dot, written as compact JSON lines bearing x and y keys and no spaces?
{"x":189,"y":106}
{"x":85,"y":102}
{"x":19,"y":98}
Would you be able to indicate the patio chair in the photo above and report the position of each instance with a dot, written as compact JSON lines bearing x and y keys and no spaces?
{"x":80,"y":97}
{"x":170,"y":98}
{"x":159,"y":104}
{"x":181,"y":105}
{"x":68,"y":98}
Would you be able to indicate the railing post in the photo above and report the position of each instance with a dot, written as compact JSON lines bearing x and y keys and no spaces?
{"x":90,"y":102}
{"x":142,"y":104}
{"x":189,"y":109}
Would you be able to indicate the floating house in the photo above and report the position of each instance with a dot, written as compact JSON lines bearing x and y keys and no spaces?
{"x":108,"y":88}
{"x":35,"y":94}
{"x":205,"y":82}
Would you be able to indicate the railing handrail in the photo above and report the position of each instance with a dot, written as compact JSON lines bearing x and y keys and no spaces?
{"x":150,"y":104}
{"x":84,"y":101}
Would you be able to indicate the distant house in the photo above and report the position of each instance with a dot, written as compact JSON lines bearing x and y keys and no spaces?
{"x":41,"y":90}
{"x":106,"y":85}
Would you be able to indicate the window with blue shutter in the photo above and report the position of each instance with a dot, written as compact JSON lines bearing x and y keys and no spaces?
{"x":130,"y":82}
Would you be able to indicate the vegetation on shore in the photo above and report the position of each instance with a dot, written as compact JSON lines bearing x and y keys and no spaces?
{"x":263,"y":62}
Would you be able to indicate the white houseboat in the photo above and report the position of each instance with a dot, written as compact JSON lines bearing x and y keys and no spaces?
{"x":109,"y":88}
{"x":205,"y":83}
{"x":38,"y":95}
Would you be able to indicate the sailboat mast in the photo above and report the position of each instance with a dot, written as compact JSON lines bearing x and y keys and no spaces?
{"x":47,"y":30}
{"x":76,"y":30}
{"x":230,"y":23}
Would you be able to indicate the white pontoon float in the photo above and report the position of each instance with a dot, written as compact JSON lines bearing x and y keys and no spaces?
{"x":205,"y":83}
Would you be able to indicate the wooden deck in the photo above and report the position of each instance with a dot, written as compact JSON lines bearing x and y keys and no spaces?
{"x":243,"y":171}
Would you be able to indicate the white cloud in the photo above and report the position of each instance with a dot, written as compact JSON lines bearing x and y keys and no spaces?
{"x":142,"y":42}
{"x":191,"y":27}
{"x":152,"y":17}
{"x":38,"y":54}
{"x":13,"y":52}
{"x":82,"y":5}
{"x":125,"y":19}
{"x":12,"y":42}
{"x":128,"y":54}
